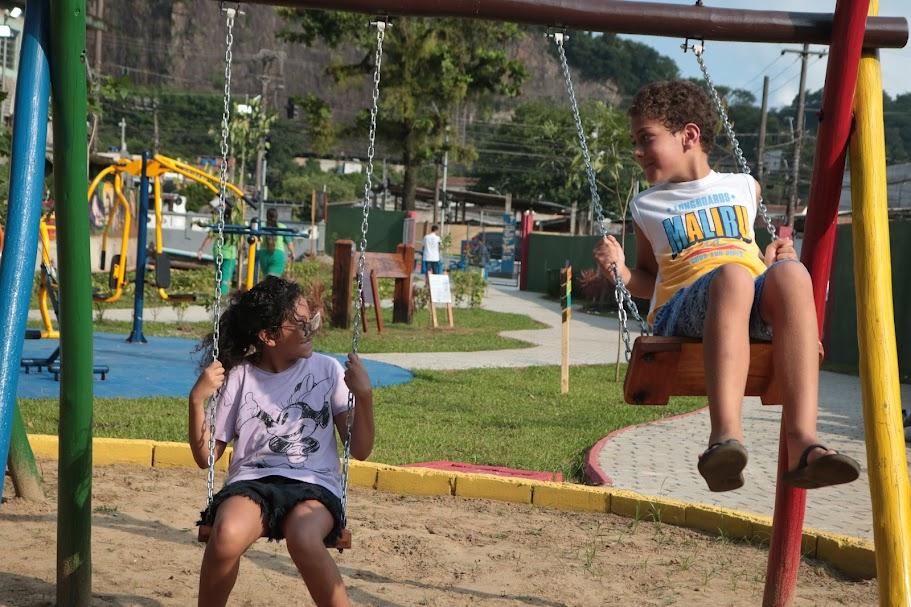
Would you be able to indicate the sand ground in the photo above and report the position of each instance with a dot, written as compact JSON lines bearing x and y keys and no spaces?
{"x":407,"y":551}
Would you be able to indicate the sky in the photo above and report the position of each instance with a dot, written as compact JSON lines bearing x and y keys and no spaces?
{"x":742,"y":65}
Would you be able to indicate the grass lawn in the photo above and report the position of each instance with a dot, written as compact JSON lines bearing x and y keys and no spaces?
{"x":507,"y":417}
{"x":476,"y":330}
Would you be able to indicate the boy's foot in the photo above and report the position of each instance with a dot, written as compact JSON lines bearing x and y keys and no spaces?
{"x":722,"y":464}
{"x":824,"y":471}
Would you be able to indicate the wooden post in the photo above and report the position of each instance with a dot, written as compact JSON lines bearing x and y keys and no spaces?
{"x":566,"y":303}
{"x":402,"y":303}
{"x":377,"y":309}
{"x":341,"y":284}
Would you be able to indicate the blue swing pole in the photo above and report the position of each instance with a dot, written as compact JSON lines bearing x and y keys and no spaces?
{"x":26,"y":191}
{"x":142,"y":230}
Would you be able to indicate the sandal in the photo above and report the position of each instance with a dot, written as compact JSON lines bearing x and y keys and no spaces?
{"x":824,"y":471}
{"x":722,"y":464}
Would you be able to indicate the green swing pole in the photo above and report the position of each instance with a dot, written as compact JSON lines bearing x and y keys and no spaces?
{"x":74,"y":509}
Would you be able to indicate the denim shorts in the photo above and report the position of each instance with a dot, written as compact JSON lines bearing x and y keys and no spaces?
{"x":276,"y":497}
{"x":684,"y":314}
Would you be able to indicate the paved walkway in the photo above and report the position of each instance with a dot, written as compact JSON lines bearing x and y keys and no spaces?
{"x":660,"y":458}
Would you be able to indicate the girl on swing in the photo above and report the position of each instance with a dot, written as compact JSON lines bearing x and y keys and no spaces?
{"x":278,"y":402}
{"x":698,"y":261}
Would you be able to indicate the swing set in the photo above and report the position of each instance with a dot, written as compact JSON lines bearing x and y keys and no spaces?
{"x":848,"y":32}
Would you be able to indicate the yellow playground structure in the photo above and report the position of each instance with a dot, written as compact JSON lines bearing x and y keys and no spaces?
{"x":157,"y":167}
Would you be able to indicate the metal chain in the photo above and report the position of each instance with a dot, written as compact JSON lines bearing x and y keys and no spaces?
{"x":622,"y":295}
{"x":220,"y":243}
{"x":362,"y":258}
{"x":698,"y":50}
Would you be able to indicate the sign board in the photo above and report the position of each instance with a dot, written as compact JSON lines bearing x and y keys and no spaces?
{"x":440,"y":293}
{"x":507,"y":262}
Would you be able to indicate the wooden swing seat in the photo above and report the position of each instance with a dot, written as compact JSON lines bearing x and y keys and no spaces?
{"x":661,"y":367}
{"x":343,"y":542}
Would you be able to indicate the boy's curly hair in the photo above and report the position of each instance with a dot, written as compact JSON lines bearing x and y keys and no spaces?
{"x":264,"y":307}
{"x":676,"y":103}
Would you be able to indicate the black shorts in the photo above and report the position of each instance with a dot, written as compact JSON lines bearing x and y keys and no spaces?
{"x":277,"y":496}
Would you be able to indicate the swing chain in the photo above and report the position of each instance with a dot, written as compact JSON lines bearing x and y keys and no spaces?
{"x":559,"y":38}
{"x":362,"y":258}
{"x":220,"y":243}
{"x":622,"y":295}
{"x":698,"y":50}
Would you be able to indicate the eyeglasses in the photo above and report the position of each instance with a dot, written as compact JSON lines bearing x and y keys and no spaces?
{"x":309,"y":327}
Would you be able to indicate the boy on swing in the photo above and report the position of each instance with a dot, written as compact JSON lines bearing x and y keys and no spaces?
{"x":698,"y":261}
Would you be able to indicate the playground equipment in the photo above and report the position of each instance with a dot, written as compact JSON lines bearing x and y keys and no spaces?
{"x":117,"y":274}
{"x":63,"y":63}
{"x":47,"y":292}
{"x":344,"y":540}
{"x":155,"y":168}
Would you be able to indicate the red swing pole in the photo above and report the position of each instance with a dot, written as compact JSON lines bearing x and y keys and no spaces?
{"x":848,"y":27}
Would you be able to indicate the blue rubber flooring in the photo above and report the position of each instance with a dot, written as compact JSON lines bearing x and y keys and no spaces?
{"x":165,"y":366}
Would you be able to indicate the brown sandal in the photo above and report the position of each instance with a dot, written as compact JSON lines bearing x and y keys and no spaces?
{"x":722,"y":464}
{"x":824,"y":471}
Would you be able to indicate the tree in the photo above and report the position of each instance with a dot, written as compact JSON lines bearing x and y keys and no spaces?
{"x":537,"y":155}
{"x":630,"y":65}
{"x":431,"y":69}
{"x":249,"y":133}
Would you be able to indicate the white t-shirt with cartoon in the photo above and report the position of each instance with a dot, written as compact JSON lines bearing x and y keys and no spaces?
{"x":431,"y":247}
{"x":282,"y":423}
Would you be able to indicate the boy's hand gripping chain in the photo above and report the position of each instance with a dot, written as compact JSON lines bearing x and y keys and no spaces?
{"x":622,"y":295}
{"x":220,"y":243}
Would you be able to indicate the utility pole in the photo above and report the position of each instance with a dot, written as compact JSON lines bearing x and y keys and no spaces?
{"x":155,"y":140}
{"x":798,"y":134}
{"x":123,"y":136}
{"x":763,"y":121}
{"x":436,"y":187}
{"x":99,"y":16}
{"x":443,"y":186}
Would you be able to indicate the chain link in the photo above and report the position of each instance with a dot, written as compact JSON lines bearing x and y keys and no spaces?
{"x":622,"y":295}
{"x":220,"y":242}
{"x":699,"y":50}
{"x":362,"y":248}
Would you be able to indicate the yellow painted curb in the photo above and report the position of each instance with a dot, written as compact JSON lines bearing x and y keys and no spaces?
{"x":848,"y":554}
{"x":364,"y":474}
{"x":414,"y":481}
{"x":178,"y":455}
{"x":504,"y":489}
{"x":122,"y":451}
{"x":718,"y":521}
{"x":44,"y":445}
{"x":566,"y":496}
{"x":641,"y":507}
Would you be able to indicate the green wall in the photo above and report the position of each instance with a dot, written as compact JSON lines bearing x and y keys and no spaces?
{"x":841,"y":316}
{"x":549,"y":252}
{"x":384,"y":233}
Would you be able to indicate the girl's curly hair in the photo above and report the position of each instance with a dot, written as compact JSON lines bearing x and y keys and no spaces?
{"x":264,"y":307}
{"x":676,"y":103}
